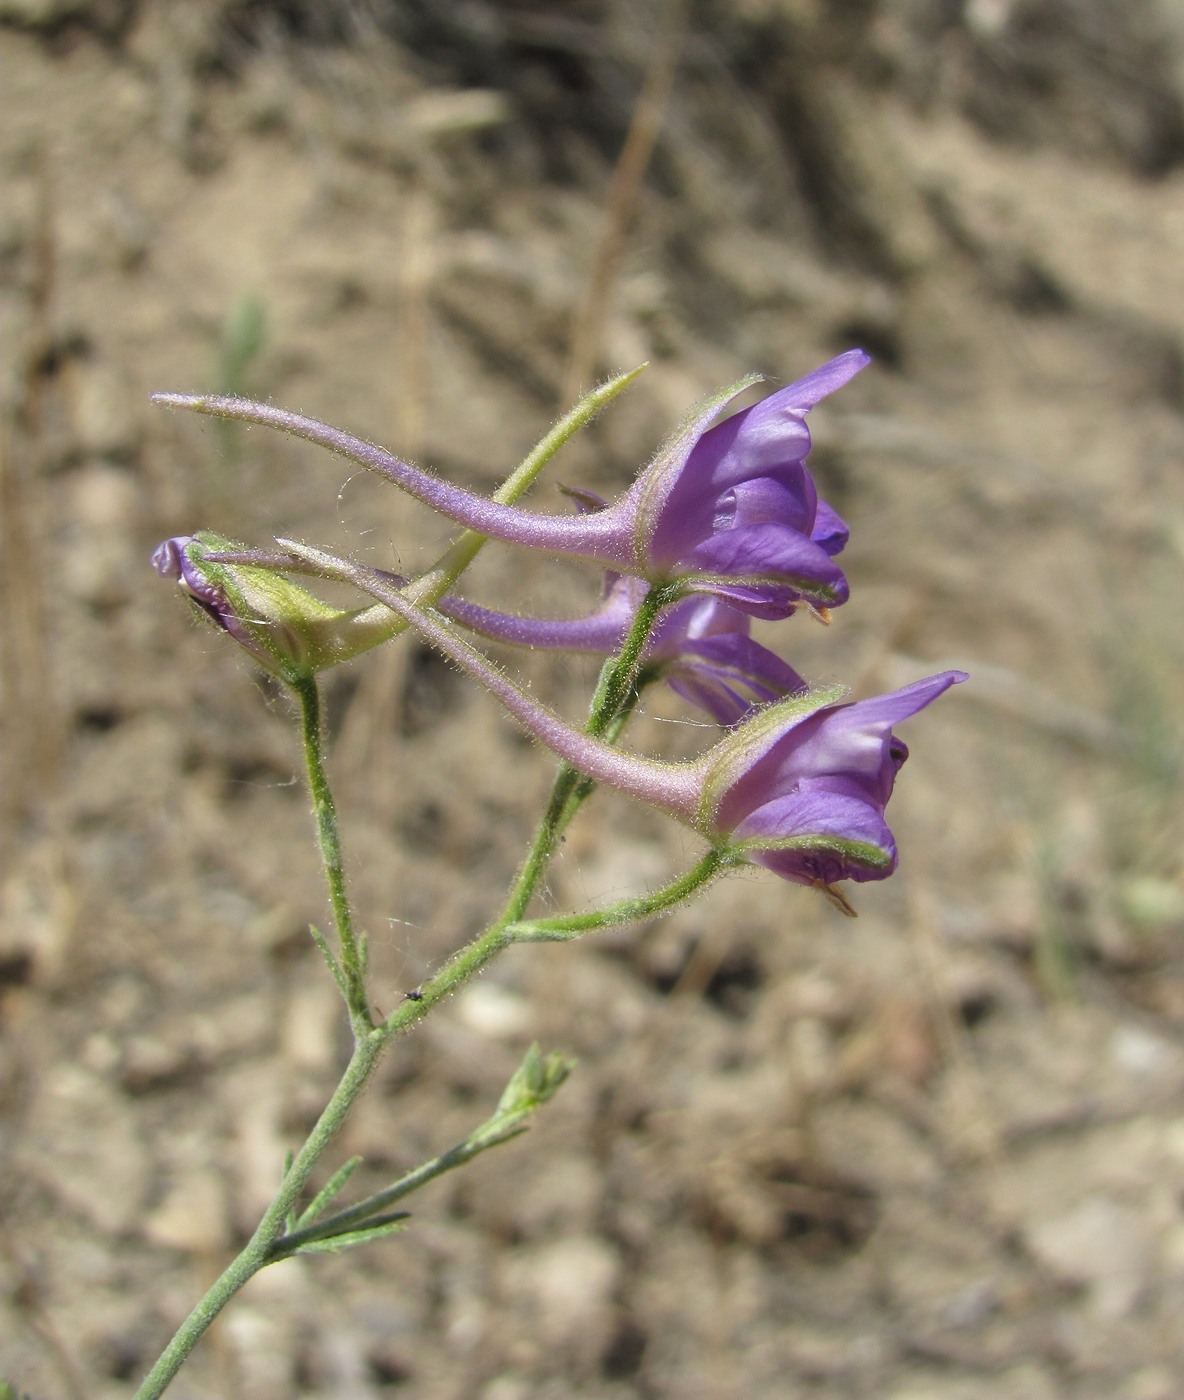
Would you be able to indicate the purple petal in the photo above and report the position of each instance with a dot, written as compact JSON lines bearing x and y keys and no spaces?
{"x":768,"y":439}
{"x":729,"y":675}
{"x":764,"y":569}
{"x":816,"y":811}
{"x":830,"y":529}
{"x":702,"y":615}
{"x":850,"y":745}
{"x":769,"y":501}
{"x":168,"y":558}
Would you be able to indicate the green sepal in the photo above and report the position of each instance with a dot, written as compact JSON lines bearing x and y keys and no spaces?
{"x":863,"y":853}
{"x":290,"y":630}
{"x":740,"y":748}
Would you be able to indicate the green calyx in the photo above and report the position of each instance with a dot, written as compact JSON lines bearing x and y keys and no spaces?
{"x":862,"y":853}
{"x":285,"y":627}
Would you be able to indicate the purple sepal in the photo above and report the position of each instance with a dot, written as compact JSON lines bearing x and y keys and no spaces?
{"x":729,"y":676}
{"x":830,"y":530}
{"x":736,"y":507}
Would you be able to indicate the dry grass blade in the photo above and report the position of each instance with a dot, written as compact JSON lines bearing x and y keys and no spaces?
{"x":28,"y":712}
{"x":622,"y":199}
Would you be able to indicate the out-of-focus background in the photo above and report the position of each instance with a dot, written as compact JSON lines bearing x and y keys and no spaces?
{"x":935,"y":1153}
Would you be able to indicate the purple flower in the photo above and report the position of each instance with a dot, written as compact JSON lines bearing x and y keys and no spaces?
{"x":805,"y":794}
{"x":730,"y":510}
{"x":701,"y":647}
{"x":800,"y":787}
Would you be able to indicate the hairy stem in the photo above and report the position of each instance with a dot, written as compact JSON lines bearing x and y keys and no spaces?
{"x":563,"y":927}
{"x":352,"y":950}
{"x":257,"y":1253}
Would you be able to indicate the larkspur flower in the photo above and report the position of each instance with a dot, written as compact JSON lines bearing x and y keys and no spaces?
{"x":800,"y":787}
{"x":701,"y":646}
{"x":730,"y":510}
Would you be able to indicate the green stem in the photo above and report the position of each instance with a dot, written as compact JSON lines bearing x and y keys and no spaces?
{"x":353,"y":950}
{"x":357,"y":1215}
{"x":567,"y":926}
{"x":257,"y":1252}
{"x":618,"y":681}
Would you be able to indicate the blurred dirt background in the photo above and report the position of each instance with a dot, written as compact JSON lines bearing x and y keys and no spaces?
{"x":936,"y":1153}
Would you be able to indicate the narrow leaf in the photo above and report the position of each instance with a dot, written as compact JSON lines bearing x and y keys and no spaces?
{"x":391,"y":1225}
{"x":327,"y":1193}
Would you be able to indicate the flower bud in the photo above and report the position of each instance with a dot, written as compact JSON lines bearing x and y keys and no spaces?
{"x":287,"y":630}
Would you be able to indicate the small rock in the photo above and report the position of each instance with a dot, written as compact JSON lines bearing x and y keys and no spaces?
{"x":105,"y":424}
{"x":82,"y":1139}
{"x":866,"y":1143}
{"x":193,"y":1215}
{"x":1152,"y":903}
{"x":259,"y":1142}
{"x":495,"y":1012}
{"x":148,"y":1062}
{"x":39,"y":14}
{"x":506,"y":1388}
{"x":567,"y":1288}
{"x":1142,"y":1054}
{"x":264,"y":1346}
{"x":105,"y":502}
{"x":311,"y":1023}
{"x":1152,"y":1383}
{"x":1102,"y":1245}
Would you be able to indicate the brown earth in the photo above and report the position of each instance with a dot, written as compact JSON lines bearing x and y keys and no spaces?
{"x":936,"y":1153}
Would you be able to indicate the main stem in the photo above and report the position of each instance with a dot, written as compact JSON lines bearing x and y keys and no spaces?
{"x":258,"y":1250}
{"x":352,"y":953}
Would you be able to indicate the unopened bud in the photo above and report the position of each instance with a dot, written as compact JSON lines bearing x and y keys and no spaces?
{"x":285,"y":628}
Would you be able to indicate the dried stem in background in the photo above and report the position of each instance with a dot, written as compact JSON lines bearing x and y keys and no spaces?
{"x":28,"y":711}
{"x":588,"y":325}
